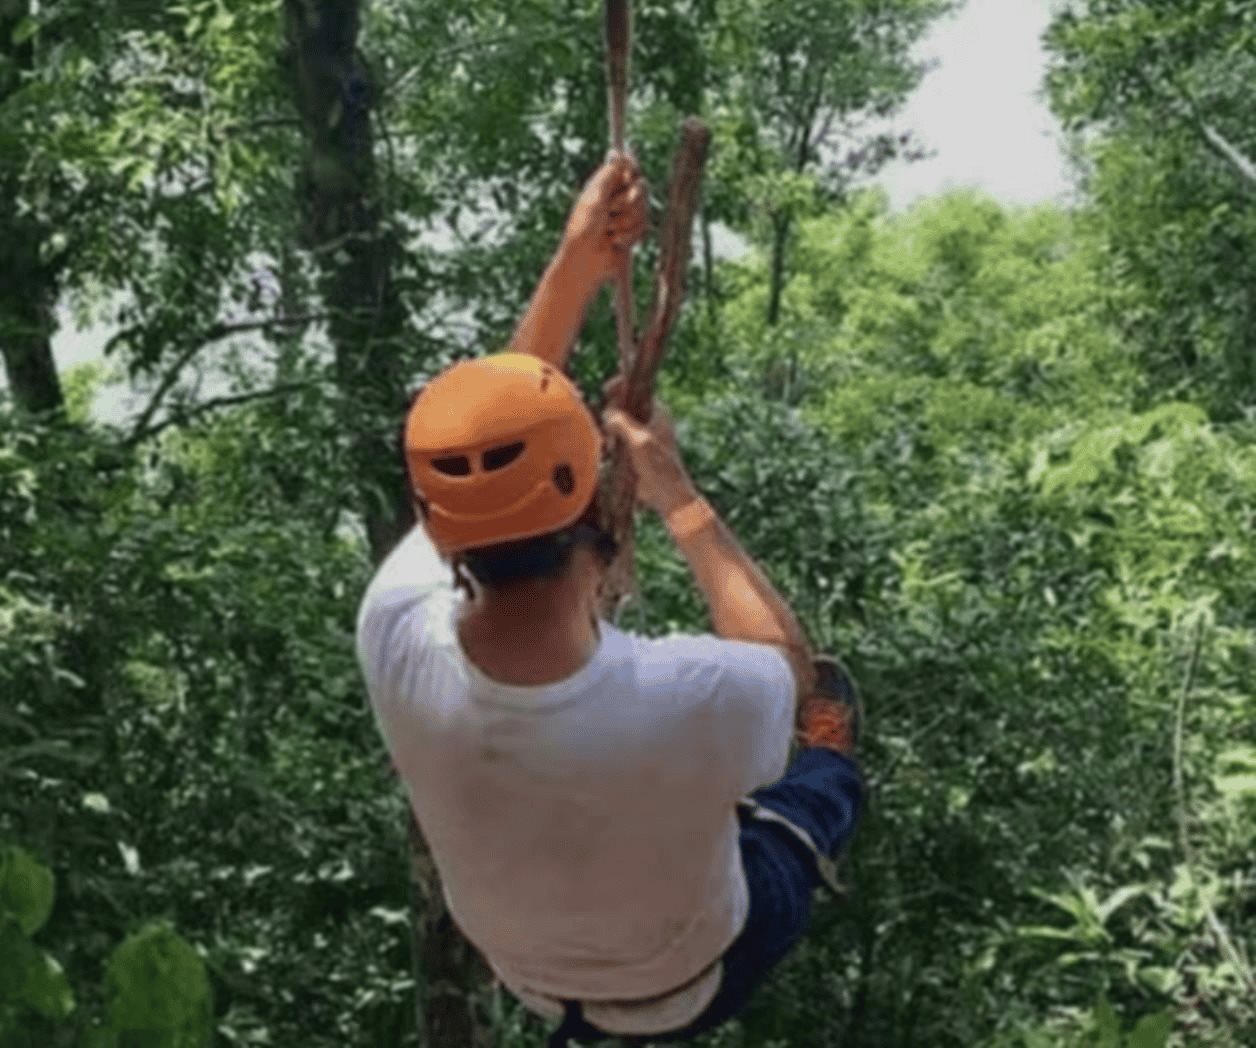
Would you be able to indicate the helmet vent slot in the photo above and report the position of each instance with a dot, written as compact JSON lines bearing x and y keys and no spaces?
{"x":500,"y":458}
{"x":453,"y":466}
{"x":564,"y":480}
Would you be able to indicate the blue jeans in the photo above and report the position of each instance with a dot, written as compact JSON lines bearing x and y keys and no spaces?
{"x":821,"y":792}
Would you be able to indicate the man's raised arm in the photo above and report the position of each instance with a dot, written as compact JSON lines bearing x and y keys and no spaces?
{"x":607,"y":219}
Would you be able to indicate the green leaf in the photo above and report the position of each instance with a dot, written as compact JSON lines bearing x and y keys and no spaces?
{"x":158,"y":988}
{"x":26,"y":889}
{"x":47,"y":989}
{"x":1152,"y":1031}
{"x":29,"y":978}
{"x":24,"y":30}
{"x":1237,"y":786}
{"x":1240,"y":757}
{"x":1118,"y":899}
{"x":1044,"y":931}
{"x":17,"y":956}
{"x":1106,"y":1023}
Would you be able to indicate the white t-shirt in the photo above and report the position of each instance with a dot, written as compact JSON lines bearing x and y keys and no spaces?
{"x":584,"y":831}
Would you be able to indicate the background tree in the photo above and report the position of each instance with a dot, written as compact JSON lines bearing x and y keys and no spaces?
{"x":1159,"y":94}
{"x":1006,"y":467}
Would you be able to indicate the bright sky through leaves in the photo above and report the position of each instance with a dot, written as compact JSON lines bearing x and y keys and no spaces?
{"x":980,"y":111}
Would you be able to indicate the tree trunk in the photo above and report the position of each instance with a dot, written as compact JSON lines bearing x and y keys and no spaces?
{"x":337,"y":190}
{"x":28,"y":283}
{"x":777,"y":380}
{"x":780,"y":240}
{"x":26,"y":325}
{"x":345,"y":228}
{"x":709,"y":290}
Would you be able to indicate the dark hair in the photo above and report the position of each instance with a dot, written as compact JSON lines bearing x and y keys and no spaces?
{"x":540,"y":557}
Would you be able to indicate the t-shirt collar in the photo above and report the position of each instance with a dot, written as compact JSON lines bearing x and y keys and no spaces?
{"x":536,"y":696}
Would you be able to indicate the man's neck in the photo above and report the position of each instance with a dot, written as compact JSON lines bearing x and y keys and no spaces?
{"x":531,"y":634}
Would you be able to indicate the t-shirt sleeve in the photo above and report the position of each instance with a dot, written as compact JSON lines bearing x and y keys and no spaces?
{"x":745,"y":718}
{"x":757,"y":688}
{"x":390,"y":624}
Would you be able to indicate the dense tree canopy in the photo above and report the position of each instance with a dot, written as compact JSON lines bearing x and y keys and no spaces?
{"x":1002,"y":459}
{"x":1159,"y":95}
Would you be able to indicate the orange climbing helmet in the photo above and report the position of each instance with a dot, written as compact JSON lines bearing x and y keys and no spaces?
{"x":499,"y":449}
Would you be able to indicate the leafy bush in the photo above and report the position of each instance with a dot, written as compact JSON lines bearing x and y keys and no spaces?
{"x":157,"y":987}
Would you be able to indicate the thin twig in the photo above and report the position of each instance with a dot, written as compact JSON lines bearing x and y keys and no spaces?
{"x":447,"y":51}
{"x":181,"y":417}
{"x":618,"y":60}
{"x":215,"y":333}
{"x":1224,"y":942}
{"x":1242,"y":164}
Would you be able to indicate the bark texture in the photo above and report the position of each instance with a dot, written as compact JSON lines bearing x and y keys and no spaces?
{"x":346,"y":226}
{"x":28,"y":282}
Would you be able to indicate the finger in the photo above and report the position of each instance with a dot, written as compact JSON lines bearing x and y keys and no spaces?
{"x":626,"y":225}
{"x":606,"y":180}
{"x":624,"y":231}
{"x":623,"y":168}
{"x":614,"y":424}
{"x":628,"y":200}
{"x":625,"y":221}
{"x":624,"y":161}
{"x":619,"y":424}
{"x":622,"y":220}
{"x":628,"y":233}
{"x":614,"y":397}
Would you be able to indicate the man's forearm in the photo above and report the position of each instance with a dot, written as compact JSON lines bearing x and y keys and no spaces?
{"x":744,"y":604}
{"x":556,"y":313}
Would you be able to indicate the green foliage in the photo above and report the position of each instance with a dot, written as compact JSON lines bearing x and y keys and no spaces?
{"x":1003,"y":460}
{"x":158,"y":993}
{"x":26,"y":890}
{"x":1029,"y":539}
{"x":157,"y":987}
{"x":32,"y":984}
{"x":33,"y":987}
{"x":1156,"y":93}
{"x":1099,"y":1028}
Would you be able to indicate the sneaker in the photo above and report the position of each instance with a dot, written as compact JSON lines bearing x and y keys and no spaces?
{"x":831,"y":717}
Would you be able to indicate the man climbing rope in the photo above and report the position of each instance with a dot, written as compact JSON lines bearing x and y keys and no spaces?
{"x":611,"y":815}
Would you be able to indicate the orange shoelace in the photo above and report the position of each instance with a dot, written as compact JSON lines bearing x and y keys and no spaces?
{"x":828,"y":724}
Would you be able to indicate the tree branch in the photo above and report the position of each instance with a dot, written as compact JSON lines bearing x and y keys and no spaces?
{"x":1225,"y":944}
{"x":1242,"y":164}
{"x":215,"y":333}
{"x":807,"y":124}
{"x":676,"y":241}
{"x":1219,"y":144}
{"x":181,"y":417}
{"x":422,"y":70}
